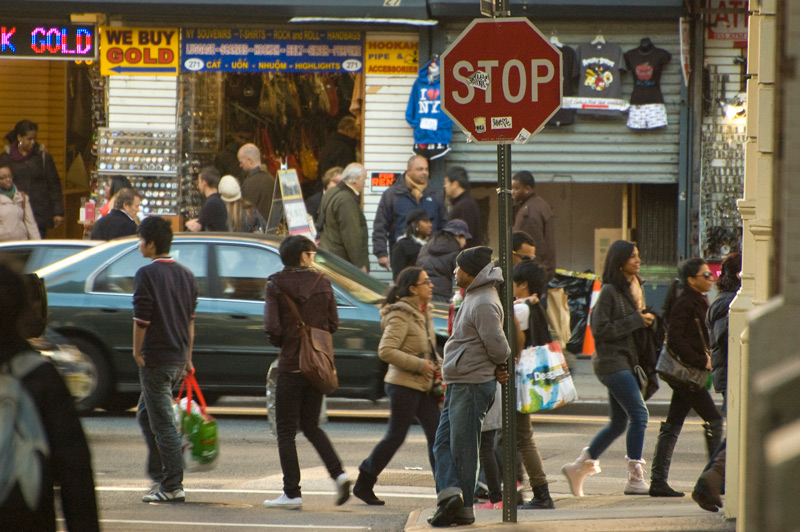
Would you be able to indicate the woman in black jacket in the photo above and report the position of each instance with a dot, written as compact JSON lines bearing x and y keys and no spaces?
{"x":618,"y":314}
{"x":687,"y":338}
{"x":35,"y":174}
{"x":297,"y":401}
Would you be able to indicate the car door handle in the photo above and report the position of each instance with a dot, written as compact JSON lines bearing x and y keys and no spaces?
{"x":109,"y":310}
{"x":239,"y":316}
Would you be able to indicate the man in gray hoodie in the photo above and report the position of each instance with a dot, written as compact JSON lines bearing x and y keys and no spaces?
{"x":471,"y":357}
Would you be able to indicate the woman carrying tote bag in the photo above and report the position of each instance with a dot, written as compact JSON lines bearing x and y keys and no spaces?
{"x":687,"y":339}
{"x":618,"y":314}
{"x":408,"y":345}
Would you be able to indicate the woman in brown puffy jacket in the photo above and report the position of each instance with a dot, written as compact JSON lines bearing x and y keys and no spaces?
{"x":408,"y":345}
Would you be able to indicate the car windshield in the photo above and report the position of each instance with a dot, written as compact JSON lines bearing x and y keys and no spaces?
{"x":355,"y":282}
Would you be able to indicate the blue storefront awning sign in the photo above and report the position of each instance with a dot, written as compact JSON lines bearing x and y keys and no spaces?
{"x":271,"y":50}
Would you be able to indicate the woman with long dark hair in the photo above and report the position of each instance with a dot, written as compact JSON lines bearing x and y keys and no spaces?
{"x":685,"y":311}
{"x":618,"y":314}
{"x":35,"y":174}
{"x":408,"y":345}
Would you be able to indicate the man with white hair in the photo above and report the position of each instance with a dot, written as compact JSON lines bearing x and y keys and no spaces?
{"x":342,"y":222}
{"x":258,"y":183}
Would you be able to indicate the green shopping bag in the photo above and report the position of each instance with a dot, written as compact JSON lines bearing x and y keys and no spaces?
{"x":199,"y":441}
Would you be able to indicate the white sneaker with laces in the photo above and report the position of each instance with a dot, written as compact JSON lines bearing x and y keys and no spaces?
{"x":285,"y":502}
{"x":159,"y":495}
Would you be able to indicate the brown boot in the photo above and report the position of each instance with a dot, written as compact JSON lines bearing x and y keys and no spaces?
{"x":708,"y":490}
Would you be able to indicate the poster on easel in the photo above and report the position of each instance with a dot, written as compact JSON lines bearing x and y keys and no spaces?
{"x":288,"y":215}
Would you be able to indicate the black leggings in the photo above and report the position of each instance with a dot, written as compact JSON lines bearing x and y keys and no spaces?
{"x":684,"y":400}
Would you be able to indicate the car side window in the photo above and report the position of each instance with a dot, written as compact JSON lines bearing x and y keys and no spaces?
{"x":117,"y":277}
{"x":243,"y":271}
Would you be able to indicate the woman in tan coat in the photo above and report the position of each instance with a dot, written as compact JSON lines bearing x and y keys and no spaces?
{"x":408,"y":345}
{"x":16,"y":215}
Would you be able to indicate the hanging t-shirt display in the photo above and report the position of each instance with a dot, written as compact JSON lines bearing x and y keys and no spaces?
{"x":432,"y":127}
{"x":601,"y":65}
{"x":646,"y":64}
{"x":569,"y":72}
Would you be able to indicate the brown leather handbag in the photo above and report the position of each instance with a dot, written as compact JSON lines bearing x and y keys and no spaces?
{"x":316,"y":354}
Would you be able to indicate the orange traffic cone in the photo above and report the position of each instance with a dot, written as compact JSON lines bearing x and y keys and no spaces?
{"x":588,"y":340}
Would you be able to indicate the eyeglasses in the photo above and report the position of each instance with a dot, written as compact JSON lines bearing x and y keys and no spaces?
{"x":426,"y":281}
{"x":707,"y":275}
{"x":523,"y":257}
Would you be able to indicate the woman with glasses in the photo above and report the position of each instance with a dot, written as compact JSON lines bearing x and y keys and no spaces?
{"x":687,"y":337}
{"x":297,"y":401}
{"x":408,"y":345}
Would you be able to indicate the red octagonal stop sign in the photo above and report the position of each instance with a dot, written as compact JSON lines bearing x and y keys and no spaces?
{"x":501,"y":80}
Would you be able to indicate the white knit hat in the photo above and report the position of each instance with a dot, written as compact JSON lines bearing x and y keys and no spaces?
{"x":229,"y":189}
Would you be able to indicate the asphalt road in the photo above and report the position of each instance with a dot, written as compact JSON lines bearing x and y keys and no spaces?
{"x":229,"y":498}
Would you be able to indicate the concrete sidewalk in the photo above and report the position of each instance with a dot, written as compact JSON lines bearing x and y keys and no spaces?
{"x":614,"y":513}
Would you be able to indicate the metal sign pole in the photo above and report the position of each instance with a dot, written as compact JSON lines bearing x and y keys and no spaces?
{"x":506,"y":221}
{"x":505,"y":215}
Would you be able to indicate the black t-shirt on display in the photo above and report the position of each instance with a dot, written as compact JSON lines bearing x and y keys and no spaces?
{"x":646,"y":67}
{"x":569,"y":74}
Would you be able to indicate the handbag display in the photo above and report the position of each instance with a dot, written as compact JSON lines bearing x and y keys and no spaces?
{"x":543,"y":379}
{"x":676,"y":373}
{"x":316,"y":354}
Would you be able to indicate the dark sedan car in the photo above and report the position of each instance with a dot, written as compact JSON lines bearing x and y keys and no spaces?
{"x":90,"y":304}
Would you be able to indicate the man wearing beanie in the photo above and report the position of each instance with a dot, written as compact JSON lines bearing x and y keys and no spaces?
{"x":471,"y":356}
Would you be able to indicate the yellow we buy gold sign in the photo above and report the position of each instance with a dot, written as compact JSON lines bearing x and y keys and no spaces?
{"x":139,"y":51}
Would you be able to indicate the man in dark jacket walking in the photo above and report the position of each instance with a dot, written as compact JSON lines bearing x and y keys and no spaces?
{"x":121,"y":220}
{"x":411,"y":192}
{"x":534,"y":216}
{"x":342,"y":222}
{"x":462,"y":205}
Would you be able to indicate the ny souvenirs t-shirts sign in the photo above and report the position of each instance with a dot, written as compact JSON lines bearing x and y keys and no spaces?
{"x":432,"y":127}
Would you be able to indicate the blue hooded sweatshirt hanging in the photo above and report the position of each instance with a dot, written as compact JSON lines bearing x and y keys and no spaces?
{"x":432,"y":127}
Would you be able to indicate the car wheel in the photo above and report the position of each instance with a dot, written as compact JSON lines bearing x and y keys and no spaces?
{"x":97,"y":379}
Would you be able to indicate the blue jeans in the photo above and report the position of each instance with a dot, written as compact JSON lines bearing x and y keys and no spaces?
{"x":154,"y":414}
{"x":405,"y":405}
{"x":458,"y":439}
{"x":625,"y":403}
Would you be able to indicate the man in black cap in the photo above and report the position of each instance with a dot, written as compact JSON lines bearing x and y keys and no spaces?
{"x":471,"y":357}
{"x":438,"y":256}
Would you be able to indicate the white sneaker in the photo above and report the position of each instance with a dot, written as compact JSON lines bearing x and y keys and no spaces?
{"x":285,"y":502}
{"x":342,"y":489}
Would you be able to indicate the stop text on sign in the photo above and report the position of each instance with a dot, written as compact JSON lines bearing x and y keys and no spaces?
{"x":517,"y":80}
{"x":29,"y":40}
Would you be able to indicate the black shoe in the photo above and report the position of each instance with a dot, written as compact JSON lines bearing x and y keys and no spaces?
{"x":541,"y":500}
{"x":367,"y":495}
{"x":445,"y":514}
{"x":662,"y":489}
